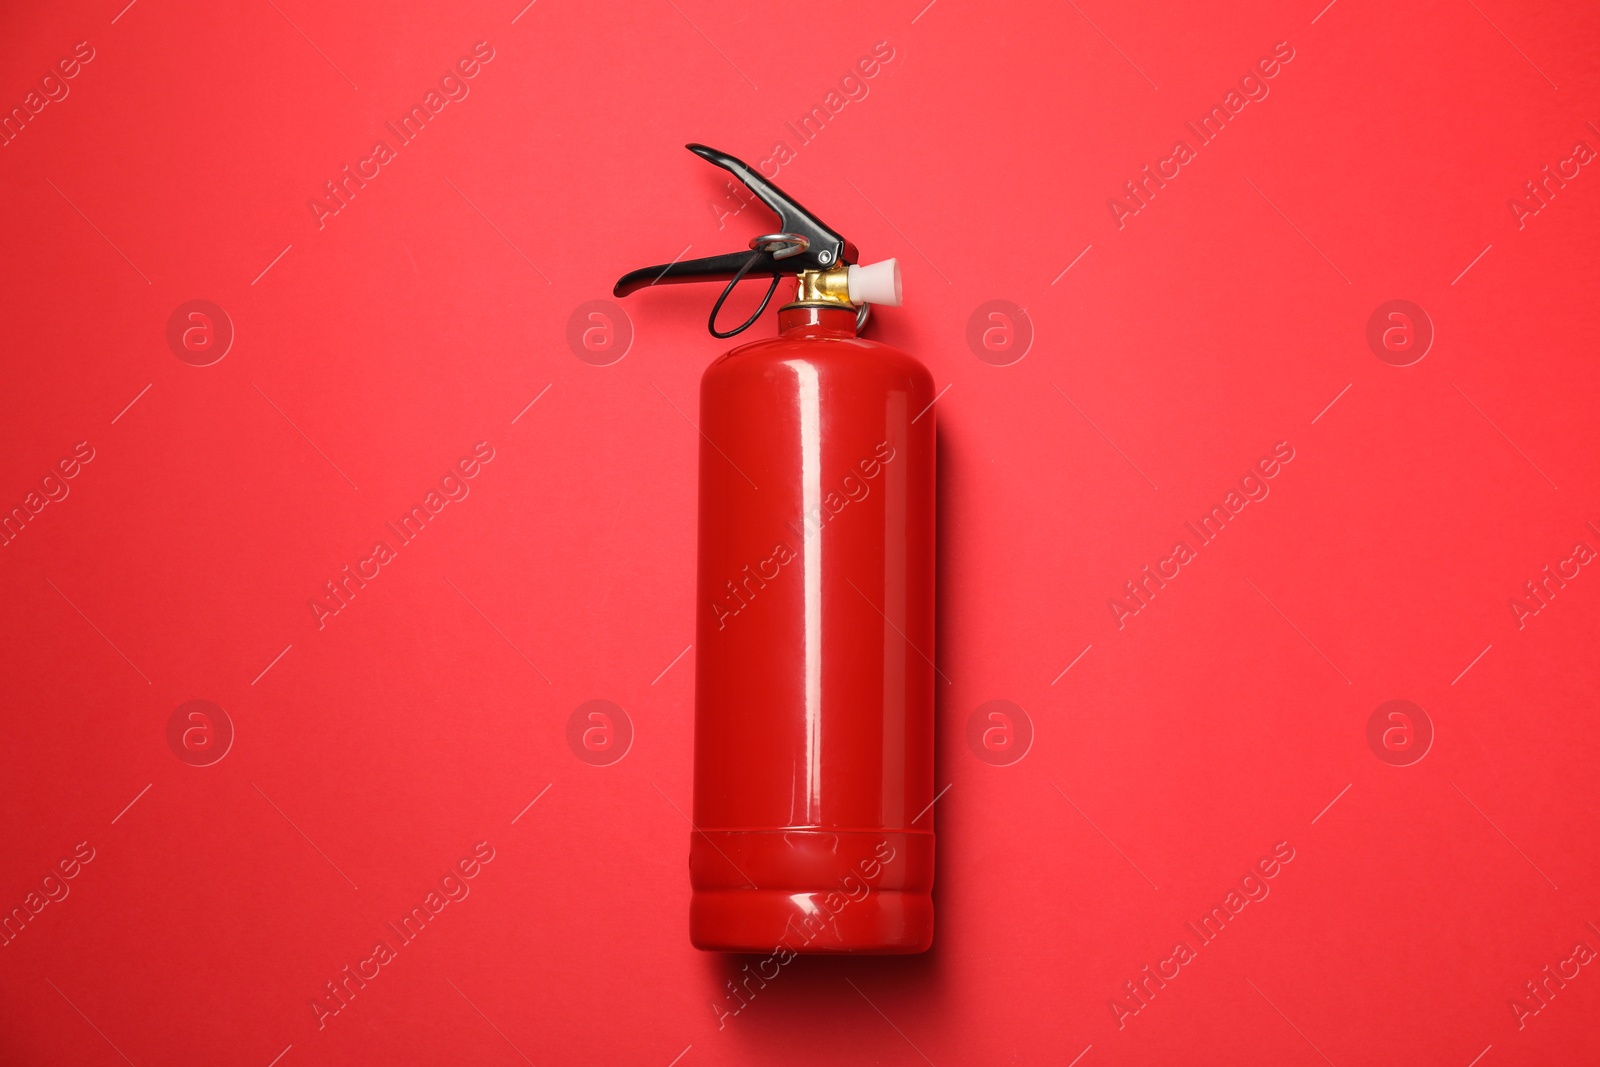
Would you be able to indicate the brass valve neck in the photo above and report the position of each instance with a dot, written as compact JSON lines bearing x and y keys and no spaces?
{"x":822,"y":288}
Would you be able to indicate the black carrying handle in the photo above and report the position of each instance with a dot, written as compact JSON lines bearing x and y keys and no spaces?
{"x":824,"y":248}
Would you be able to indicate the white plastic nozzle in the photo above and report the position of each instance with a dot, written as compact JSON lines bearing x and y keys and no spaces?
{"x":876,"y":283}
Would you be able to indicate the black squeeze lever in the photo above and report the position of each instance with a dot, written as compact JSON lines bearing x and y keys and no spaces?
{"x":803,"y":243}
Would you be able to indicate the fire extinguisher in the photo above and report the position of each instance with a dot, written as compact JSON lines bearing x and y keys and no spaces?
{"x":814,"y":680}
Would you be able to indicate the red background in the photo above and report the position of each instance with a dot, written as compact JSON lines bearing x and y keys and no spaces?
{"x":373,"y":352}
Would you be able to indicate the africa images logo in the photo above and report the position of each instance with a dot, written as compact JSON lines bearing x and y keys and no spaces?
{"x":1253,"y":887}
{"x":453,"y":87}
{"x":453,"y":887}
{"x":454,"y":487}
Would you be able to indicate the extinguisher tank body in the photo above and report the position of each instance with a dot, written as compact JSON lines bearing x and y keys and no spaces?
{"x":814,"y":690}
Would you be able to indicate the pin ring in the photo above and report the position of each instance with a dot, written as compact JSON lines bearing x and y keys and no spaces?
{"x":781,"y":245}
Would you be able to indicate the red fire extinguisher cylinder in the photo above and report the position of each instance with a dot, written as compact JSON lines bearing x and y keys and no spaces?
{"x":814,"y":671}
{"x":814,"y":686}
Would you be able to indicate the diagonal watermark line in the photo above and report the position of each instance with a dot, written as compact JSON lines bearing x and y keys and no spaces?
{"x":1108,"y":440}
{"x":499,"y":231}
{"x":90,"y":1021}
{"x":1301,"y":232}
{"x":1286,"y":1019}
{"x":669,"y":266}
{"x":497,"y":630}
{"x":99,"y":231}
{"x":1332,"y":402}
{"x":280,"y":1056}
{"x":1480,"y":1056}
{"x":1513,"y":44}
{"x":532,"y":402}
{"x":890,"y":1021}
{"x":901,"y":632}
{"x":1074,"y":263}
{"x":523,"y":12}
{"x":123,"y":12}
{"x":531,"y":803}
{"x":131,"y":803}
{"x":713,"y":44}
{"x":931,"y":803}
{"x":680,"y":1055}
{"x":1508,"y":440}
{"x":707,"y":439}
{"x":1469,"y":666}
{"x":1113,"y":44}
{"x":313,"y":45}
{"x":1080,"y":1056}
{"x":899,"y":231}
{"x":932,"y":402}
{"x":1071,"y":665}
{"x":1324,"y":11}
{"x":923,"y":12}
{"x":1508,"y":840}
{"x":1108,"y":840}
{"x":132,"y":402}
{"x":274,"y":263}
{"x":308,"y":440}
{"x":97,"y":630}
{"x":1299,"y":631}
{"x":673,"y":664}
{"x":1331,"y":803}
{"x":308,"y":840}
{"x":490,"y":1021}
{"x":1474,"y":263}
{"x":271,"y":665}
{"x":703,"y":834}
